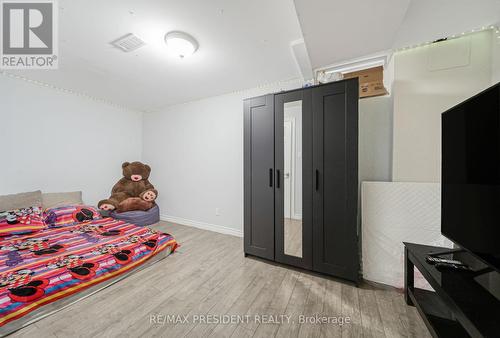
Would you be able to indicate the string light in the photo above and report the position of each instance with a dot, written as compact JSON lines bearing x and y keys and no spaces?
{"x":454,"y":36}
{"x":67,"y":91}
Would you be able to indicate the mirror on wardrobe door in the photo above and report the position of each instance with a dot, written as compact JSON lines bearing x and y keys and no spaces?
{"x":292,"y":178}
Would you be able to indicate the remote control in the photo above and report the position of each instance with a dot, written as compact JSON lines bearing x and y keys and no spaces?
{"x":435,"y":260}
{"x":445,"y":266}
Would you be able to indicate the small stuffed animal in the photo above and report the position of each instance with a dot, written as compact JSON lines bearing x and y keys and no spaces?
{"x":133,"y":191}
{"x":12,"y":218}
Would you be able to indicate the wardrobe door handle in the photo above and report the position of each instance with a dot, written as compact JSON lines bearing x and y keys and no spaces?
{"x":317,"y":179}
{"x":278,"y":178}
{"x":271,"y":177}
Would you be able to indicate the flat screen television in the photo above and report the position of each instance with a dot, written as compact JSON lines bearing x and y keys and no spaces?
{"x":470,"y":191}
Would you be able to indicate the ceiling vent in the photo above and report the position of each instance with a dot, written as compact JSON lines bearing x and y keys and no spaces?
{"x":128,"y":43}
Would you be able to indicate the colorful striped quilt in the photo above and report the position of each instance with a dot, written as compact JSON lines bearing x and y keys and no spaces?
{"x":54,"y":263}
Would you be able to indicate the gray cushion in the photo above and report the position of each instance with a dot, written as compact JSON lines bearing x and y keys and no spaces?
{"x":21,"y":200}
{"x":138,"y":217}
{"x":55,"y":199}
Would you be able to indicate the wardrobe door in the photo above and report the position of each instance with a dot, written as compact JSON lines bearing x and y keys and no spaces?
{"x":259,"y":176}
{"x":335,"y":162}
{"x":293,"y":164}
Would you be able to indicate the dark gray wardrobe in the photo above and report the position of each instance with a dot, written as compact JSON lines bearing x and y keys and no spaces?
{"x":301,"y":178}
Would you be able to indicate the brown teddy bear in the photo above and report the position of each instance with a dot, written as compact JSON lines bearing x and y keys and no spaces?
{"x":133,"y":191}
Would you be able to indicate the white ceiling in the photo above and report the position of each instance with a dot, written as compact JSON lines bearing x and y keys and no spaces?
{"x":243,"y":44}
{"x":429,"y":20}
{"x":339,"y":30}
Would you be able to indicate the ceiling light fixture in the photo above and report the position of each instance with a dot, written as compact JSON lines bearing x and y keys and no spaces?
{"x":181,"y":44}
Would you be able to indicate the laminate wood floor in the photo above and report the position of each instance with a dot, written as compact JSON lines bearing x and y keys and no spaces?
{"x":209,"y":276}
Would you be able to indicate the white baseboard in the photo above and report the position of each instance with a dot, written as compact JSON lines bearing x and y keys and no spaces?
{"x":202,"y":225}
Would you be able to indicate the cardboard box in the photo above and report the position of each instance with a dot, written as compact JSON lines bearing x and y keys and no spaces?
{"x":371,"y":81}
{"x":371,"y":89}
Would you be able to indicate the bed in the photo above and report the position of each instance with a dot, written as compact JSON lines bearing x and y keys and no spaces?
{"x":45,"y":271}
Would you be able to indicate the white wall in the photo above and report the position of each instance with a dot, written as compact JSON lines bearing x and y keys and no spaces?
{"x":375,"y":138}
{"x":196,"y":154}
{"x":56,"y":141}
{"x":495,"y":58}
{"x":427,"y":81}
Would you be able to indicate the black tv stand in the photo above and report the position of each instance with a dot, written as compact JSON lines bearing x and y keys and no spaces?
{"x":459,"y":306}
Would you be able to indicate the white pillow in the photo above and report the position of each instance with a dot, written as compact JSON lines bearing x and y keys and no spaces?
{"x":22,"y":200}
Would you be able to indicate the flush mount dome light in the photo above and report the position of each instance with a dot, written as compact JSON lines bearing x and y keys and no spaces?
{"x":181,"y":44}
